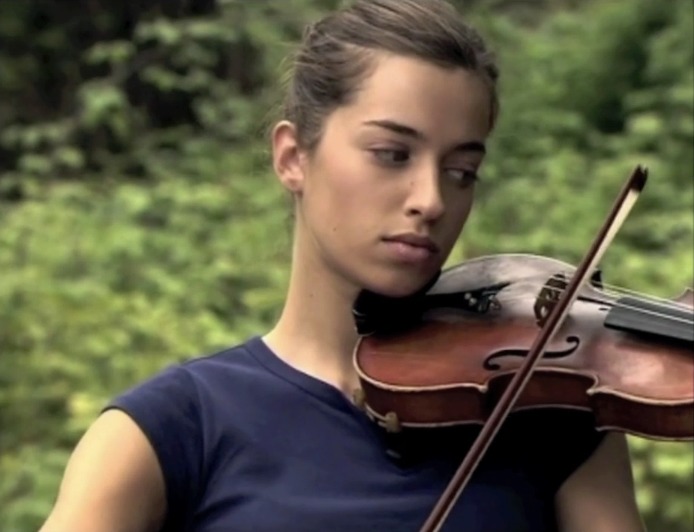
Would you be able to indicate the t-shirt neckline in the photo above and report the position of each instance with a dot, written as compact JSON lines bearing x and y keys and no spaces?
{"x":322,"y":390}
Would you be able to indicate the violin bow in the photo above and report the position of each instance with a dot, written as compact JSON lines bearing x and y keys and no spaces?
{"x":620,"y":209}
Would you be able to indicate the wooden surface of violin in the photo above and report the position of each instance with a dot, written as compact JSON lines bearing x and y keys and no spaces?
{"x":627,"y":358}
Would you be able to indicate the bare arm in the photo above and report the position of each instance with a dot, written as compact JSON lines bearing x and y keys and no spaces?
{"x":112,"y":483}
{"x":600,"y":496}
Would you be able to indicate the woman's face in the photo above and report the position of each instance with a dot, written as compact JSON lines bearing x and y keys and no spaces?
{"x":383,"y":198}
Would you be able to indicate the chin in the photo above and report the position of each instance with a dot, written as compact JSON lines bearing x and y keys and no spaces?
{"x":398,"y":283}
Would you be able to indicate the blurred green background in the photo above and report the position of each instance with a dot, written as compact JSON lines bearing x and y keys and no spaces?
{"x":140,"y":223}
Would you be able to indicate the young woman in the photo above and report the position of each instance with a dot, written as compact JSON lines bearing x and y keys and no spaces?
{"x":386,"y":119}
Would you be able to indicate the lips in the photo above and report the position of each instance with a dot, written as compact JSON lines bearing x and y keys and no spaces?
{"x":412,"y":239}
{"x":411,"y":249}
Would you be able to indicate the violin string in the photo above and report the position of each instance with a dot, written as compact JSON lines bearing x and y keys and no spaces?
{"x":654,"y":313}
{"x":616,"y":291}
{"x":647,"y":297}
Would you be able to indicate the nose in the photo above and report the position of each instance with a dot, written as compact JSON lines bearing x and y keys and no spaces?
{"x":425,"y":199}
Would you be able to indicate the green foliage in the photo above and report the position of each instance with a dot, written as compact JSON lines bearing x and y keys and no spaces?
{"x":147,"y":83}
{"x":104,"y":285}
{"x":171,"y":239}
{"x":569,"y":150}
{"x":31,"y":478}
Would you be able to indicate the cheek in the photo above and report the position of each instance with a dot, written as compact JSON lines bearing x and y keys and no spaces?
{"x":335,"y":200}
{"x":457,"y":215}
{"x":346,"y":195}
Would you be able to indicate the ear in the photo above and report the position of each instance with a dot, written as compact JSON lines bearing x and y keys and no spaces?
{"x":287,"y":157}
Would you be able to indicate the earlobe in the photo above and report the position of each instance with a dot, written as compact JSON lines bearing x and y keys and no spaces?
{"x":286,"y":156}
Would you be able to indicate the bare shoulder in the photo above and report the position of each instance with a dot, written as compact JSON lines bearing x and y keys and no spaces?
{"x":112,"y":483}
{"x":600,"y":494}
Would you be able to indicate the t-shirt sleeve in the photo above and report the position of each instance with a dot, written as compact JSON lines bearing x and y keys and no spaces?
{"x":166,"y":409}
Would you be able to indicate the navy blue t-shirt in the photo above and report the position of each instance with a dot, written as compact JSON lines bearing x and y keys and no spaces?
{"x":248,"y":443}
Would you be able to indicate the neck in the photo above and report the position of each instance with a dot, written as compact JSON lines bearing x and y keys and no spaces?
{"x":315,"y":332}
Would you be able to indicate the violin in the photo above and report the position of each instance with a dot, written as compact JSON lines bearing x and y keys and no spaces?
{"x":498,"y":334}
{"x":628,"y":359}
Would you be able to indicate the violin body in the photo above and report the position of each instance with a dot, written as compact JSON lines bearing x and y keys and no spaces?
{"x":628,"y":360}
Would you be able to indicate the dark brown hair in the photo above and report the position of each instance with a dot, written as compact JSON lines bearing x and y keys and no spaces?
{"x":335,"y":54}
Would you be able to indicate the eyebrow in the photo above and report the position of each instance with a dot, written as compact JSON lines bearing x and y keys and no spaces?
{"x":408,"y":131}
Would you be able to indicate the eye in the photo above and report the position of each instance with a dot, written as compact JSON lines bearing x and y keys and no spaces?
{"x":464,"y":178}
{"x":391,"y":156}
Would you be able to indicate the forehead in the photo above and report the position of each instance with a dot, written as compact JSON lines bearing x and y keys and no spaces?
{"x":442,"y":102}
